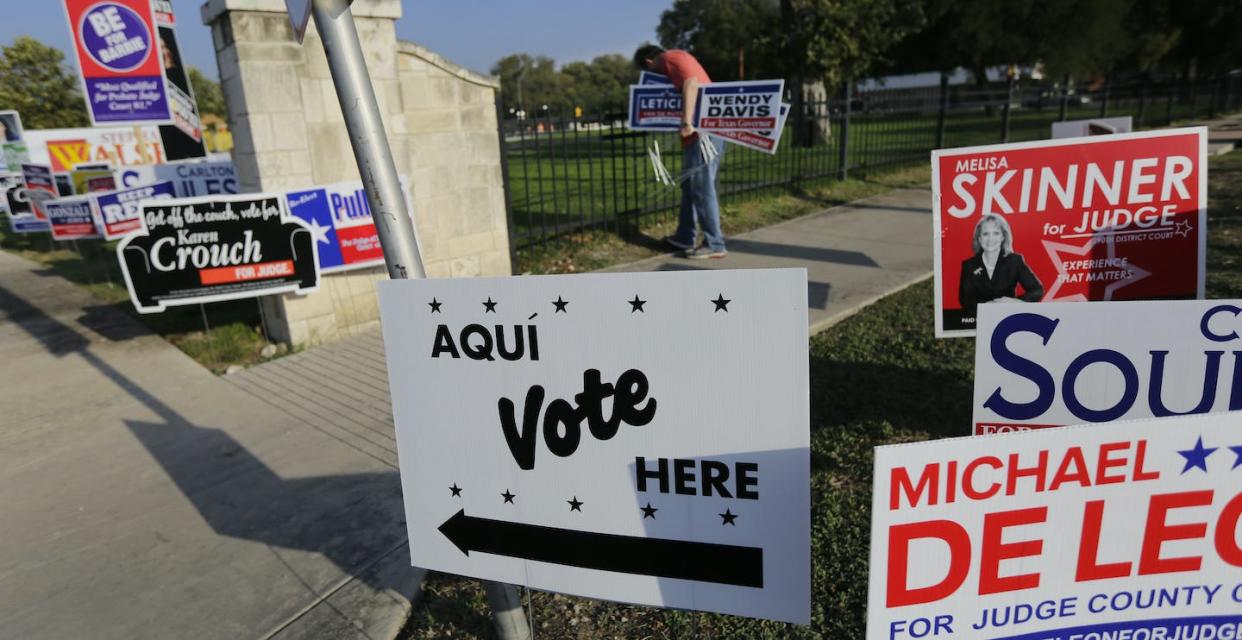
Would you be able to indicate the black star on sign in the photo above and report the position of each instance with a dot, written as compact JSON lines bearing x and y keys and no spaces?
{"x":490,"y":307}
{"x":637,"y":305}
{"x":727,"y":518}
{"x":456,"y":490}
{"x":435,"y":305}
{"x":575,"y":504}
{"x":508,"y":496}
{"x":649,"y":511}
{"x":721,"y":303}
{"x":560,"y":305}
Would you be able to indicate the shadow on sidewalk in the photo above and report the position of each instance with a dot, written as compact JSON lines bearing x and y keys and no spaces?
{"x":346,"y":518}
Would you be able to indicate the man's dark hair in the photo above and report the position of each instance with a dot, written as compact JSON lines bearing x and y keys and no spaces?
{"x":645,"y":53}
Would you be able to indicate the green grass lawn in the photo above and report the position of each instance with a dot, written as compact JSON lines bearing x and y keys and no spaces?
{"x":879,"y":377}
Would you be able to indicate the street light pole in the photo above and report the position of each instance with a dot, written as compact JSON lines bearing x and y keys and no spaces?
{"x":348,"y":67}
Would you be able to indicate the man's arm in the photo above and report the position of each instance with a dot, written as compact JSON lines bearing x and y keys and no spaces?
{"x":689,"y":98}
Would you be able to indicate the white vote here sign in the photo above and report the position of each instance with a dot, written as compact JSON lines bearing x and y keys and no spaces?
{"x":633,"y":437}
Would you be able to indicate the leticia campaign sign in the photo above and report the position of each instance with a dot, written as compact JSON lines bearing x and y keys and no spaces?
{"x":222,"y":248}
{"x":1051,"y":365}
{"x":1120,"y":217}
{"x":119,"y":55}
{"x":71,"y":218}
{"x":634,"y":437}
{"x":1127,"y":530}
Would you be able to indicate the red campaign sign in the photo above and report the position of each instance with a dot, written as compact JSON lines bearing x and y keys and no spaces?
{"x":120,"y":56}
{"x":1121,"y":217}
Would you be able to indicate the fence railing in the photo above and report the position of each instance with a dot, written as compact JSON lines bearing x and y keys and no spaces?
{"x":566,"y":174}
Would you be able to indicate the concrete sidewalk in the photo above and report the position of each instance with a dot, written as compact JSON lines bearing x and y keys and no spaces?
{"x":144,"y":497}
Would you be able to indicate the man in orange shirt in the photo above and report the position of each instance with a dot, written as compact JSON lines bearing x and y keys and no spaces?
{"x":698,"y":190}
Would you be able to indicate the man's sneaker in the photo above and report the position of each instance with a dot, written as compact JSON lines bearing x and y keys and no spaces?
{"x":703,"y":253}
{"x":670,"y":240}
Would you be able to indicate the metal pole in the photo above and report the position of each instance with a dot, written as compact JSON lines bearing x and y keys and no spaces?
{"x":366,"y":134}
{"x":348,"y":67}
{"x":1064,"y":99}
{"x":1008,"y":105}
{"x":944,"y":106}
{"x":843,"y":159}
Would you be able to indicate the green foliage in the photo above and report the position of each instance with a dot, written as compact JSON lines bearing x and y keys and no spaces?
{"x":725,"y":35}
{"x":833,"y":40}
{"x":35,"y":81}
{"x":207,"y":94}
{"x":530,"y":82}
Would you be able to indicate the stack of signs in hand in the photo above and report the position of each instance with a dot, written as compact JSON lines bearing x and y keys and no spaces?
{"x":553,"y":433}
{"x":198,"y":250}
{"x":749,"y":113}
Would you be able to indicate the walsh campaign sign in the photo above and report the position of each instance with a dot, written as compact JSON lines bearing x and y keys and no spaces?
{"x":119,"y":55}
{"x":1124,"y":531}
{"x":67,"y":149}
{"x":119,"y":213}
{"x":210,"y":249}
{"x":553,"y":432}
{"x":190,"y":179}
{"x":1050,"y":365}
{"x":751,"y":105}
{"x":71,"y":218}
{"x":1119,"y":217}
{"x":654,"y":107}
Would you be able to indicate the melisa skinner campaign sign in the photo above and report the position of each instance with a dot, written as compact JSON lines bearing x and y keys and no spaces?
{"x":1119,"y":217}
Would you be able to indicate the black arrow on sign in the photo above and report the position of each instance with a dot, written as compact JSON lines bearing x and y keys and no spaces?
{"x":700,"y":561}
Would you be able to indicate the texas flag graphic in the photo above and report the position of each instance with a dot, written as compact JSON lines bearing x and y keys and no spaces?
{"x":340,"y":220}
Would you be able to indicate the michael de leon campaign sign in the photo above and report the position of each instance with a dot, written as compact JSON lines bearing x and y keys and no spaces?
{"x":1051,"y":365}
{"x":199,"y":250}
{"x":1119,"y":217}
{"x":1124,"y":531}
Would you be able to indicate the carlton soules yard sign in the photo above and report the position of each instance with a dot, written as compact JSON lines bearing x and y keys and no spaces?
{"x":1050,"y":365}
{"x":1128,"y":530}
{"x":119,"y":55}
{"x":1120,"y":217}
{"x":210,"y":249}
{"x":633,"y":437}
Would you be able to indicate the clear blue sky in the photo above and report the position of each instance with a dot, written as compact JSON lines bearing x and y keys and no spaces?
{"x":472,"y":33}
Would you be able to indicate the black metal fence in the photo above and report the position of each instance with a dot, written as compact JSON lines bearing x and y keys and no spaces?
{"x":567,"y":174}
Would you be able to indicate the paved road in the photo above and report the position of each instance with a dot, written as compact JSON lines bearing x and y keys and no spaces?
{"x":144,"y":497}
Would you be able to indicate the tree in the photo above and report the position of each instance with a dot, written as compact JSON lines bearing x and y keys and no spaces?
{"x":529,"y":82}
{"x":35,"y":81}
{"x":835,"y":40}
{"x":600,"y":86}
{"x":726,"y":36}
{"x":207,"y":94}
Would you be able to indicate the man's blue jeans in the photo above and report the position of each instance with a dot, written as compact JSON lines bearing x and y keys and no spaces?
{"x":698,"y":197}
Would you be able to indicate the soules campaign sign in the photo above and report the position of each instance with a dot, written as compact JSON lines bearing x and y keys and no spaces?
{"x":210,"y":249}
{"x":119,"y":55}
{"x":190,"y":179}
{"x":1123,"y":531}
{"x":747,"y":104}
{"x":1118,"y":217}
{"x":1050,"y":365}
{"x":654,"y":107}
{"x":119,"y":213}
{"x":553,"y":433}
{"x":71,"y":218}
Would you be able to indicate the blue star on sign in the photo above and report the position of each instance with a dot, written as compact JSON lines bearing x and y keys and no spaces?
{"x":1237,"y":451}
{"x":1196,"y":457}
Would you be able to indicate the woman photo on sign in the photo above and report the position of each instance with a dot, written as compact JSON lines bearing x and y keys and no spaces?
{"x":994,"y":272}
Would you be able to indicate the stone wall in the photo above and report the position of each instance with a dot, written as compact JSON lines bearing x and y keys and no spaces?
{"x":288,"y":133}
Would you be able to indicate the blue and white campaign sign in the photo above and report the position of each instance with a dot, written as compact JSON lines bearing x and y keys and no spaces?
{"x":339,"y":217}
{"x":71,"y":218}
{"x":1055,"y":364}
{"x":119,"y":213}
{"x":1128,"y":530}
{"x":552,"y":433}
{"x":654,"y":107}
{"x":14,"y":201}
{"x":651,"y":77}
{"x":765,"y":141}
{"x":751,"y":105}
{"x":190,"y":179}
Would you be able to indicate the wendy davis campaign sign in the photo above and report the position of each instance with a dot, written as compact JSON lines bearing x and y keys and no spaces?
{"x":1118,"y":217}
{"x":753,"y":105}
{"x":1050,"y":365}
{"x":1129,"y":530}
{"x":119,"y":55}
{"x":119,"y":213}
{"x":221,"y":248}
{"x":553,"y":433}
{"x":71,"y":218}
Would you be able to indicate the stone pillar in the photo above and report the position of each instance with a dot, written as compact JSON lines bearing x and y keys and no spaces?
{"x":288,"y":133}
